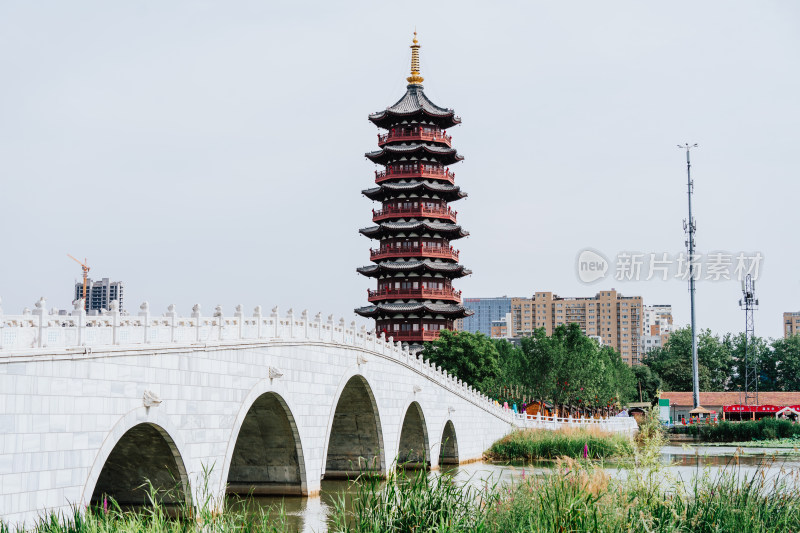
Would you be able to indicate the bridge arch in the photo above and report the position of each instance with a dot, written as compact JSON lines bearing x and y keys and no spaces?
{"x":354,"y":438}
{"x":265,"y":452}
{"x":413,"y":446}
{"x":448,"y":444}
{"x":141,"y":446}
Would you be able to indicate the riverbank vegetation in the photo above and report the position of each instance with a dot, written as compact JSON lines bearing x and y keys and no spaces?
{"x":765,"y":430}
{"x":574,"y":496}
{"x":155,"y":517}
{"x":578,"y":497}
{"x":576,"y":443}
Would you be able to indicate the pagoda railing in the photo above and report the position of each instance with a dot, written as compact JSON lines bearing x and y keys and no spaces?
{"x":415,"y":171}
{"x":415,"y":134}
{"x":421,"y":210}
{"x":413,"y":335}
{"x":426,"y":251}
{"x":388,"y":294}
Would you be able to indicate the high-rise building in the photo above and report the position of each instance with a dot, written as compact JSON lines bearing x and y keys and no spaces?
{"x":656,"y":327}
{"x":485,"y":311}
{"x":609,"y":316}
{"x":791,"y":324}
{"x":414,"y":262}
{"x":99,"y":294}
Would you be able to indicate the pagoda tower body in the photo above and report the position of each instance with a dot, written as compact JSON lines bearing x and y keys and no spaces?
{"x":414,"y":261}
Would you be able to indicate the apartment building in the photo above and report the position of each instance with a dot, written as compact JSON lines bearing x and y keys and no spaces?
{"x":611,"y":317}
{"x":791,"y":324}
{"x":99,"y":294}
{"x":657,"y":325}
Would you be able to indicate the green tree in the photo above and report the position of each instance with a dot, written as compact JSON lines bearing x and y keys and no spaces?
{"x":472,"y":357}
{"x":786,"y":357}
{"x":758,"y":350}
{"x":569,"y":368}
{"x":647,"y":381}
{"x":673,"y":362}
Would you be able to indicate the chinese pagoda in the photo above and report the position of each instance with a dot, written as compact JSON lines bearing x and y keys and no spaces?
{"x":414,"y":260}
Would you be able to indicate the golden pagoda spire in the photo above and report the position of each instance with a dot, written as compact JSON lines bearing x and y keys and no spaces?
{"x":415,"y":78}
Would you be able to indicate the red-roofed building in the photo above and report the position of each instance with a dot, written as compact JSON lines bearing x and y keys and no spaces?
{"x":680,"y":403}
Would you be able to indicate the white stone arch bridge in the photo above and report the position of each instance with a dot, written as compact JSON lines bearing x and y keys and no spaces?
{"x":92,"y":405}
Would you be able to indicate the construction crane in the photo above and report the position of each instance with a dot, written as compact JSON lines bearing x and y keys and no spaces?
{"x":85,"y":268}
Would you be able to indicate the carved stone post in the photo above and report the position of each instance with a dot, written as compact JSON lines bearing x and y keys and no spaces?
{"x":79,"y":311}
{"x":41,"y":311}
{"x":113,"y":312}
{"x":218,"y":315}
{"x":364,"y":335}
{"x":330,"y":325}
{"x":172,"y":315}
{"x":304,"y":322}
{"x":341,"y":327}
{"x":318,"y":321}
{"x":238,"y":313}
{"x":144,"y":312}
{"x":276,"y":322}
{"x":257,"y":318}
{"x":290,"y":319}
{"x":196,"y":314}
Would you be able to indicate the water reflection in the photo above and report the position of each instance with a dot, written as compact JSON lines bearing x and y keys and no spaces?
{"x":311,"y":514}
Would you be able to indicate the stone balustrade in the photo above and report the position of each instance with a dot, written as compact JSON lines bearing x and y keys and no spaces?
{"x":39,"y":331}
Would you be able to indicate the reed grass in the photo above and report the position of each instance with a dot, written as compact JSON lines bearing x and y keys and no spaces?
{"x":574,"y":496}
{"x":578,"y":496}
{"x":588,"y":443}
{"x":581,"y":497}
{"x":155,"y":517}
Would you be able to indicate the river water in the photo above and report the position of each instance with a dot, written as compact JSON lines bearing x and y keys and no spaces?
{"x":311,"y":514}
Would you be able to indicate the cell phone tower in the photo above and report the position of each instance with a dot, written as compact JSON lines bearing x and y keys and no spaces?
{"x":690,"y":227}
{"x":749,"y":303}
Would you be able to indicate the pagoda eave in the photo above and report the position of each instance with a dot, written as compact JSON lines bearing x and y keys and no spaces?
{"x":390,"y":309}
{"x":450,"y":270}
{"x":445,"y":191}
{"x":390,"y":229}
{"x":415,"y":104}
{"x":388,"y":154}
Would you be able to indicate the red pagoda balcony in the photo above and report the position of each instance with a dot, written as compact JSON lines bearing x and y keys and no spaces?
{"x":416,"y":294}
{"x":415,"y":134}
{"x":414,"y":171}
{"x":441,"y":252}
{"x":419,"y":211}
{"x":411,"y":336}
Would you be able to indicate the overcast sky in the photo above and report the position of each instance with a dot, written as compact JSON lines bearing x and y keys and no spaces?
{"x":212,"y":152}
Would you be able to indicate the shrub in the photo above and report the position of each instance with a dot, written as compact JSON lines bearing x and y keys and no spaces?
{"x":724,"y":431}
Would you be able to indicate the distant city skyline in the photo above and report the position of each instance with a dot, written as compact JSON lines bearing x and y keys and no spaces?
{"x":214,"y":154}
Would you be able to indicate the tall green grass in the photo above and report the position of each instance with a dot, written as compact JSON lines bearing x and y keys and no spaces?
{"x":155,"y":517}
{"x":410,"y":501}
{"x":574,"y":496}
{"x":577,"y":496}
{"x":545,"y":444}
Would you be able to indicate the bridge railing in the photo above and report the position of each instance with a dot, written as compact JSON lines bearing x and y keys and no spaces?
{"x":39,"y":331}
{"x":614,"y":424}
